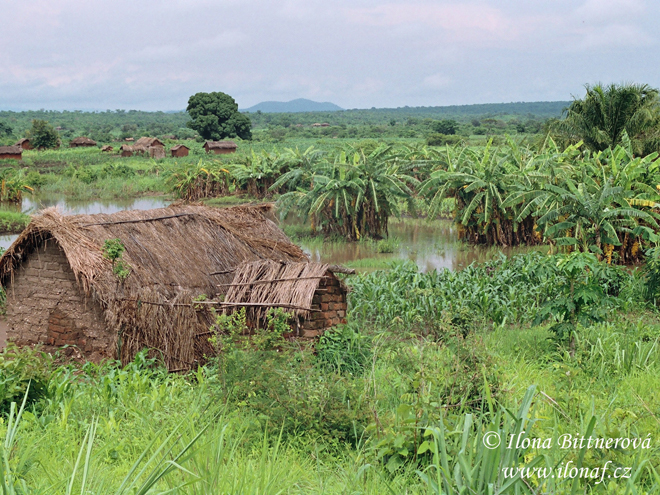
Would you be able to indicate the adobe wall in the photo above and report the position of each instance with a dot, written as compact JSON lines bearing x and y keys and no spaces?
{"x":45,"y":305}
{"x":330,"y":301}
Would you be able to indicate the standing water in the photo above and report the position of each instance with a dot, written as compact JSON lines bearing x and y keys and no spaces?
{"x":33,"y":204}
{"x":431,"y":245}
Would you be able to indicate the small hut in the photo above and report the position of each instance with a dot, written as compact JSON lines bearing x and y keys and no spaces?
{"x":180,"y":150}
{"x":129,"y":140}
{"x":11,"y":153}
{"x":107,"y":148}
{"x":24,"y":143}
{"x":180,"y":261}
{"x":220,"y":147}
{"x":82,"y":142}
{"x":148,"y":142}
{"x":127,"y":150}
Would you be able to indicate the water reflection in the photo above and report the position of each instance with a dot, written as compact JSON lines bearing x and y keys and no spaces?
{"x":33,"y":204}
{"x":431,"y":245}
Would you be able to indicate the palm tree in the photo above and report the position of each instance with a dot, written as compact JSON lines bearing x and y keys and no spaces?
{"x":353,"y":196}
{"x":480,"y":181}
{"x":602,"y":116}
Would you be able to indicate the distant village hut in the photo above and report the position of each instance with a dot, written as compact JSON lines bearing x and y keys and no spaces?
{"x":154,"y":147}
{"x":82,"y":142}
{"x":11,"y":153}
{"x":180,"y":150}
{"x":128,"y":150}
{"x":180,"y":262}
{"x":24,"y":143}
{"x":220,"y":147}
{"x":107,"y":148}
{"x":149,"y":142}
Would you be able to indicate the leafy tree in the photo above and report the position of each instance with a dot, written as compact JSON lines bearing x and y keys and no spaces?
{"x":5,"y":129}
{"x":216,"y":116}
{"x":601,"y":117}
{"x":43,"y":135}
{"x":445,"y":126}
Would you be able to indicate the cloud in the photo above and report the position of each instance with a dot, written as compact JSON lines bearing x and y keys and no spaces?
{"x":356,"y":53}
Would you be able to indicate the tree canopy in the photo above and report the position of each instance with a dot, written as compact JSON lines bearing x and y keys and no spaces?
{"x":602,"y":116}
{"x":215,"y":116}
{"x":43,"y":135}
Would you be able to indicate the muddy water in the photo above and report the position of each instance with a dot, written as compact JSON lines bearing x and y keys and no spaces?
{"x":431,"y":245}
{"x":33,"y":204}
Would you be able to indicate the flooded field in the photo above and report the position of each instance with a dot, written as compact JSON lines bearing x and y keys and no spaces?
{"x":33,"y":204}
{"x":431,"y":245}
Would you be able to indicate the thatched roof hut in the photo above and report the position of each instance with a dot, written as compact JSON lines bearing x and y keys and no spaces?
{"x":24,"y":143}
{"x":107,"y":147}
{"x":128,"y":150}
{"x":148,"y":142}
{"x":220,"y":147}
{"x":81,"y":142}
{"x":180,"y":150}
{"x":62,"y":290}
{"x":11,"y":153}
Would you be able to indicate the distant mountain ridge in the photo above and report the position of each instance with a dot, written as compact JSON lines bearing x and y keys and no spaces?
{"x":294,"y":106}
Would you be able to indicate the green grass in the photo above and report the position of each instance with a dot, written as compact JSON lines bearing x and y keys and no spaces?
{"x":12,"y":222}
{"x":435,"y":367}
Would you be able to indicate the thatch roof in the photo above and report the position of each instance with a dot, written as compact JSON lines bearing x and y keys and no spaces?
{"x":148,"y":141}
{"x":21,"y":141}
{"x":107,"y":148}
{"x":276,"y":284}
{"x":84,"y":141}
{"x":174,"y":255}
{"x":133,"y":149}
{"x":227,"y":145}
{"x":10,"y":150}
{"x":178,"y":147}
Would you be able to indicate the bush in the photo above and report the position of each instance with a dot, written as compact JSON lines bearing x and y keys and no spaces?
{"x":344,"y":349}
{"x":291,"y":395}
{"x":388,"y":245}
{"x":21,"y":368}
{"x":437,"y":139}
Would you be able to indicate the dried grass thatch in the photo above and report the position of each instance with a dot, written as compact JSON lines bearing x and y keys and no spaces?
{"x":149,"y":141}
{"x":10,"y":150}
{"x":268,"y":283}
{"x":220,"y":145}
{"x":128,"y":150}
{"x":175,"y":254}
{"x":82,"y":141}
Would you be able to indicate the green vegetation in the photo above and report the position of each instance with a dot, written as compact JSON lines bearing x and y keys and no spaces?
{"x":215,"y":116}
{"x":405,"y":397}
{"x":42,"y":135}
{"x":402,"y":399}
{"x":12,"y":222}
{"x":609,"y":113}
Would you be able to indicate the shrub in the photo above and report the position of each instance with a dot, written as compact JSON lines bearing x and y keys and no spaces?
{"x":293,"y":396}
{"x":344,"y":349}
{"x":387,"y":245}
{"x":20,"y":368}
{"x":437,"y":139}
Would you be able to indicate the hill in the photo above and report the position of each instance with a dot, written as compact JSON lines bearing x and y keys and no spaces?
{"x":293,"y":106}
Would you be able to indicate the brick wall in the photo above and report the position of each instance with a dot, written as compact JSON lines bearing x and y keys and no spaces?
{"x":45,"y":305}
{"x":330,"y":301}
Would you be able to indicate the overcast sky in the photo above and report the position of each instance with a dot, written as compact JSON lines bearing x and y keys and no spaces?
{"x":152,"y":55}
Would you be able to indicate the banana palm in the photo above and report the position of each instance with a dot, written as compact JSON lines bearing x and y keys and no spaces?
{"x":601,"y":118}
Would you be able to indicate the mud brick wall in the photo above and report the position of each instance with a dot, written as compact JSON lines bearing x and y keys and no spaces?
{"x":45,"y":305}
{"x":330,"y":300}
